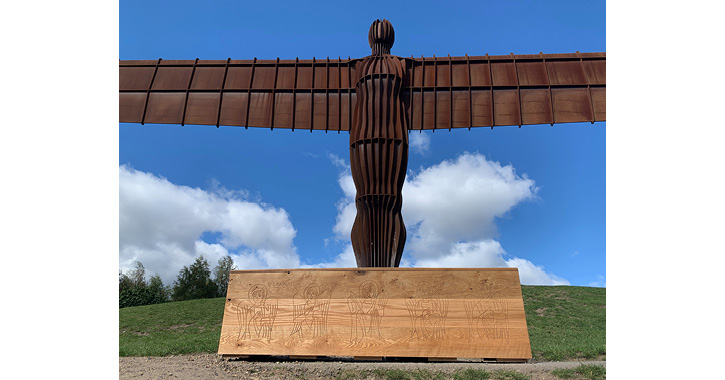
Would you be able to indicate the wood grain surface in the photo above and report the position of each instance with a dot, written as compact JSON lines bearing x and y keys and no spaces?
{"x":376,"y":312}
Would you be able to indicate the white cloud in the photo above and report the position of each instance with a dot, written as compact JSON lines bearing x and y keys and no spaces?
{"x":531,"y":274}
{"x":419,"y":142}
{"x":338,"y":161}
{"x":450,"y":211}
{"x":601,"y":282}
{"x":346,"y":210}
{"x":490,"y":254}
{"x":161,"y":225}
{"x":480,"y":254}
{"x":346,"y":259}
{"x":459,"y":200}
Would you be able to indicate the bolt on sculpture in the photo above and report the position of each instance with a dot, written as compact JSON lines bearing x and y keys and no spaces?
{"x":379,"y":99}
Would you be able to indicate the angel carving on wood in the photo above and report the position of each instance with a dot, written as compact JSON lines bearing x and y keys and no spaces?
{"x":428,"y":312}
{"x":256,"y":314}
{"x":487,"y":312}
{"x":310,"y":311}
{"x":367,"y":308}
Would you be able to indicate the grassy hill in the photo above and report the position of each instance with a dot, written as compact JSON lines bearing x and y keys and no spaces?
{"x":565,"y":322}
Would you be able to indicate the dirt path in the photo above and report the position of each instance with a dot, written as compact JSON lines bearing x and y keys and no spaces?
{"x":212,"y":367}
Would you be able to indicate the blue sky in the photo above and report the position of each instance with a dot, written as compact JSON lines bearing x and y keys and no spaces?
{"x":289,"y":187}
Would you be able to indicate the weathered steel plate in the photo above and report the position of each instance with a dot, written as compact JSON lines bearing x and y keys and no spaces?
{"x":319,"y":94}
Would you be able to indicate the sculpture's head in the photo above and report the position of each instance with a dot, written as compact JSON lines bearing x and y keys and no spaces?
{"x":381,"y":37}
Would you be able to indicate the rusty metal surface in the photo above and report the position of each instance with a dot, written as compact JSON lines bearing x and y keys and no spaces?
{"x":293,"y":94}
{"x":378,"y":99}
{"x":487,"y":91}
{"x":379,"y":153}
{"x":439,"y":93}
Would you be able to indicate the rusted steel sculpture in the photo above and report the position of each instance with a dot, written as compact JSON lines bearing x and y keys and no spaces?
{"x":379,"y":153}
{"x":378,"y":99}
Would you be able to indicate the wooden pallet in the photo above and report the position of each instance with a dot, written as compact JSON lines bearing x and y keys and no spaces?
{"x":376,"y":313}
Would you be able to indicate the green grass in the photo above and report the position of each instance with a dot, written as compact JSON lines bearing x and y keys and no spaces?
{"x":564,"y":322}
{"x":171,"y":328}
{"x":505,"y":374}
{"x":423,"y":374}
{"x":584,"y":371}
{"x":397,"y":374}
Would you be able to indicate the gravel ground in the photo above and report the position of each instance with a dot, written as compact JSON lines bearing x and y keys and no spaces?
{"x":213,"y":367}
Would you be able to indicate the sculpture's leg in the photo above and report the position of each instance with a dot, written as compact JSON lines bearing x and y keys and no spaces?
{"x":378,"y":169}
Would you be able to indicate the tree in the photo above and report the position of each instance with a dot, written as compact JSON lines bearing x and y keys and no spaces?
{"x":138,"y":275}
{"x":194,"y":282}
{"x":221,"y":274}
{"x":123,"y":281}
{"x":133,"y":290}
{"x":158,"y":293}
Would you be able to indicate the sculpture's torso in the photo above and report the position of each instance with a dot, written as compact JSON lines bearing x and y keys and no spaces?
{"x":379,"y":161}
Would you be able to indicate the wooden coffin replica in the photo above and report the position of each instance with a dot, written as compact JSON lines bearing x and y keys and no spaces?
{"x":375,"y":313}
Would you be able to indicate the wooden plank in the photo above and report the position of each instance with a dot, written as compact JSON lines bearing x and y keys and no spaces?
{"x":376,"y":312}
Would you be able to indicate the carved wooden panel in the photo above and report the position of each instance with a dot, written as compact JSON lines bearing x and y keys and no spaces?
{"x":380,"y":312}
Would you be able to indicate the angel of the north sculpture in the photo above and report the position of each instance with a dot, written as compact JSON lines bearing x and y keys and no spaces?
{"x":378,"y":99}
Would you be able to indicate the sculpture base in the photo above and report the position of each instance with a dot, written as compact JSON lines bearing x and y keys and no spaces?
{"x":376,"y":312}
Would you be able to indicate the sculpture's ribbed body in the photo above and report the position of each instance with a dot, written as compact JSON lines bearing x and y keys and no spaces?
{"x":379,"y":159}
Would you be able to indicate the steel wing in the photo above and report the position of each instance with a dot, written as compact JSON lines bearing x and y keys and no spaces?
{"x":487,"y":91}
{"x":439,"y":93}
{"x":294,"y":94}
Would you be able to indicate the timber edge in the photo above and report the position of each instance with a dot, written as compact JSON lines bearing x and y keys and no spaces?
{"x":365,"y":269}
{"x":262,"y":358}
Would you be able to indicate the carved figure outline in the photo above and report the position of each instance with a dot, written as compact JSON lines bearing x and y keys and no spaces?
{"x":367,"y":308}
{"x":256,"y":314}
{"x":309,"y":311}
{"x":428,"y":312}
{"x":486,"y":312}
